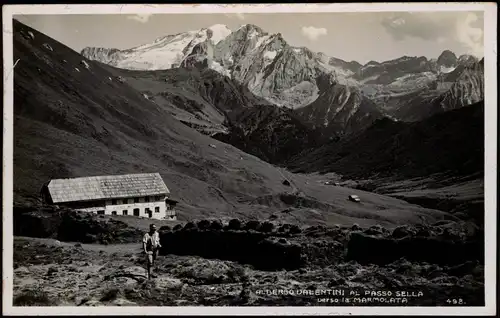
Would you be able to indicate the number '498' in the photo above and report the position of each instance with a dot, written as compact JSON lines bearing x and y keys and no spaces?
{"x":455,"y":301}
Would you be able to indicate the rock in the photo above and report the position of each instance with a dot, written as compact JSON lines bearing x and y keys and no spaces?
{"x":47,"y":46}
{"x":374,"y":230}
{"x":22,"y":270}
{"x":190,"y":226}
{"x":252,"y":225}
{"x":267,"y":227}
{"x":295,"y":229}
{"x":400,"y":232}
{"x":356,"y":227}
{"x":216,"y":225}
{"x":78,"y":245}
{"x":135,"y":271}
{"x":203,"y":224}
{"x":462,"y":269}
{"x":165,"y":228}
{"x":122,"y":302}
{"x":93,"y":303}
{"x":52,"y":270}
{"x":164,"y":282}
{"x":234,"y":224}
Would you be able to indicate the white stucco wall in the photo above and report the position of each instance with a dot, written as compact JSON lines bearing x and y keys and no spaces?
{"x":129,"y":205}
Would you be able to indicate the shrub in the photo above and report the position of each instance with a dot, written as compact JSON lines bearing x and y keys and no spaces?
{"x":165,"y":228}
{"x":234,"y":224}
{"x":203,"y":224}
{"x":252,"y":225}
{"x":267,"y":227}
{"x":189,"y":226}
{"x":295,"y":229}
{"x":216,"y":225}
{"x":177,"y":227}
{"x":400,"y":232}
{"x":110,"y":294}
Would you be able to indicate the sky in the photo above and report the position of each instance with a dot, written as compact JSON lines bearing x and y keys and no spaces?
{"x":359,"y":36}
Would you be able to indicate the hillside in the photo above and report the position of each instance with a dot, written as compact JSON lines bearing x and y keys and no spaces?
{"x":218,"y":106}
{"x":450,"y":142}
{"x":74,"y":118}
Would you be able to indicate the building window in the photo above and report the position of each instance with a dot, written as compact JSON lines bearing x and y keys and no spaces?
{"x":158,"y":198}
{"x":113,"y":213}
{"x":157,"y":209}
{"x":146,"y":199}
{"x":136,"y":212}
{"x":129,"y":201}
{"x":136,"y":200}
{"x":125,"y":212}
{"x":113,"y":202}
{"x":101,"y":212}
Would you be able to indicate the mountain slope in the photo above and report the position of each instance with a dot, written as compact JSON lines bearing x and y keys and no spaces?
{"x":450,"y":143}
{"x":338,"y":110}
{"x":218,"y":106}
{"x":271,"y":133}
{"x":74,"y":118}
{"x":198,"y":97}
{"x":432,"y":87}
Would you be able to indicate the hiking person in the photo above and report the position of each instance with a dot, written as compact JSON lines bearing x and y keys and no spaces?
{"x":151,"y":245}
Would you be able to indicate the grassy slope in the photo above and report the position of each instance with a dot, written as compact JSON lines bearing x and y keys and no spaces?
{"x":74,"y":123}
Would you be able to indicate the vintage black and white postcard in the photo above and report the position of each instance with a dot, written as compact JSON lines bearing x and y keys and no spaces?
{"x":250,"y":159}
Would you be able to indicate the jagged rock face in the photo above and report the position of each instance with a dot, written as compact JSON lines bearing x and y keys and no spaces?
{"x":416,"y":96}
{"x":387,"y":72}
{"x":269,"y":132}
{"x":107,"y":56}
{"x":352,"y":66}
{"x":339,"y":109}
{"x":447,"y":59}
{"x":467,"y":89}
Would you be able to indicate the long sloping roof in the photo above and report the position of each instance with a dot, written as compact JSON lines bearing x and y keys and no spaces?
{"x":106,"y":187}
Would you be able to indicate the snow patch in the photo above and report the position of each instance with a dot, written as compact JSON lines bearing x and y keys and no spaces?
{"x":219,"y":69}
{"x":76,"y":68}
{"x":220,"y":32}
{"x":31,"y":35}
{"x":270,"y":55}
{"x":48,"y":47}
{"x":261,"y":40}
{"x":110,"y":78}
{"x":253,"y":34}
{"x":297,"y":50}
{"x":87,"y":66}
{"x":446,"y":70}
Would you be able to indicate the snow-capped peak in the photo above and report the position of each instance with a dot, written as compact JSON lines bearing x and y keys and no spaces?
{"x":219,"y":32}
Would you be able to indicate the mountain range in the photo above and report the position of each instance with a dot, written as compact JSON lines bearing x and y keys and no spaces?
{"x":331,"y":93}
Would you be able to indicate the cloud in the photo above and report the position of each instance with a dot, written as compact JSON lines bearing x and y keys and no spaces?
{"x":238,"y":15}
{"x":470,"y":36}
{"x":466,"y":28}
{"x":143,"y":17}
{"x":313,"y":33}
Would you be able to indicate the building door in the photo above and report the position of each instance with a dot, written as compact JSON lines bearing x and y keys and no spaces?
{"x":136,"y":212}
